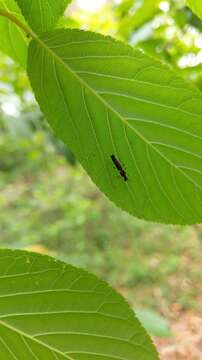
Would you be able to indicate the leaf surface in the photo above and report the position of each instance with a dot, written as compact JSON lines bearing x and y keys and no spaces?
{"x":196,"y":7}
{"x":42,"y":15}
{"x":103,"y":98}
{"x":13,"y":42}
{"x":50,"y":310}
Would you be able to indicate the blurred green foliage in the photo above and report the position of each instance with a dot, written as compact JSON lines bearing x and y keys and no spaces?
{"x":50,"y":206}
{"x":154,"y":323}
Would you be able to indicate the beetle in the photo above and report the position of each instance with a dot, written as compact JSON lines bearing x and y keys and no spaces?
{"x":119,"y":167}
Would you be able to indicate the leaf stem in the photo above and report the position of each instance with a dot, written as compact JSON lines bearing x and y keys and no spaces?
{"x":19,"y":23}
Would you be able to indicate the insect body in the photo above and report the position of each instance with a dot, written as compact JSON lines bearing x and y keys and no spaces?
{"x":119,"y":167}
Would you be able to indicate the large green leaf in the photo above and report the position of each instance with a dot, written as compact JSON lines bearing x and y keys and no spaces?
{"x":13,"y":42}
{"x":196,"y":6}
{"x":42,"y":15}
{"x":50,"y":310}
{"x":102,"y":97}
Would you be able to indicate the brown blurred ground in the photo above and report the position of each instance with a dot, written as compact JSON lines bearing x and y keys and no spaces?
{"x":186,"y":343}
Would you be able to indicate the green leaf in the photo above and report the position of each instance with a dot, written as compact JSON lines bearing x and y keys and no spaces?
{"x":196,"y":7}
{"x":50,"y":310}
{"x":102,"y":97}
{"x":13,"y":42}
{"x":155,"y":324}
{"x":42,"y":15}
{"x":138,"y":13}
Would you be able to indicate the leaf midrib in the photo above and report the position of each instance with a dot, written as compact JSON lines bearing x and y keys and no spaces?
{"x":86,"y":85}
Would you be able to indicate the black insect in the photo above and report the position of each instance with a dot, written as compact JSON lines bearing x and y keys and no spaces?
{"x":119,"y":167}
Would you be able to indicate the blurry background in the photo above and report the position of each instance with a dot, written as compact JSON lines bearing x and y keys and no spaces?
{"x":48,"y":203}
